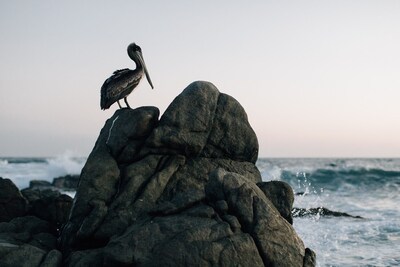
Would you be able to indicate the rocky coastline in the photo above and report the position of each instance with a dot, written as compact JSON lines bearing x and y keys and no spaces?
{"x":182,"y":190}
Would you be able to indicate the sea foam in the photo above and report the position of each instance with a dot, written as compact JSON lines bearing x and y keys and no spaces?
{"x":23,"y":170}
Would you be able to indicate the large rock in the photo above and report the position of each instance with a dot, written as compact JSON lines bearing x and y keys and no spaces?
{"x":281,"y":195}
{"x":62,"y":183}
{"x":179,"y":191}
{"x":28,"y":241}
{"x":48,"y":205}
{"x":275,"y":238}
{"x":12,"y":203}
{"x":67,"y":182}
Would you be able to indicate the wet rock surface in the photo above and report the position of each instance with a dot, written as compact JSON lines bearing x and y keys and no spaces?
{"x":29,"y":241}
{"x":321,"y":211}
{"x":179,"y":191}
{"x":30,"y":224}
{"x":12,"y":203}
{"x":62,"y":183}
{"x":182,"y":190}
{"x":67,"y":182}
{"x":281,"y":195}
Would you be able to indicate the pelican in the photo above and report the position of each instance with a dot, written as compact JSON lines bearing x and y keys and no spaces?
{"x":122,"y":82}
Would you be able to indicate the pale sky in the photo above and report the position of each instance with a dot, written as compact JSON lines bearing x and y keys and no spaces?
{"x":316,"y":78}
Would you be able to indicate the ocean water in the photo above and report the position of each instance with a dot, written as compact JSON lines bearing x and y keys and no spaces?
{"x":23,"y":169}
{"x":368,"y":188}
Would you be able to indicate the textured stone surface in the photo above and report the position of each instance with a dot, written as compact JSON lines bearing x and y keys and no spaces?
{"x":20,"y":255}
{"x":181,"y":191}
{"x":201,"y":121}
{"x":309,"y":258}
{"x":29,"y":238}
{"x":12,"y":203}
{"x":281,"y":195}
{"x":48,"y":204}
{"x":321,"y":211}
{"x":275,"y":238}
{"x":66,"y":182}
{"x":26,"y":241}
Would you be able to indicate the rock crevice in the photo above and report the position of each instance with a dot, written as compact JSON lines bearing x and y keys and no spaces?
{"x":182,"y":190}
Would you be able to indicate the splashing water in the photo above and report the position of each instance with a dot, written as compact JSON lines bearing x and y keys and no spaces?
{"x":360,"y":187}
{"x":23,"y":170}
{"x":66,"y":163}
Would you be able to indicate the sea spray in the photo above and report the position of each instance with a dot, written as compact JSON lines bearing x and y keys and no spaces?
{"x":360,"y":187}
{"x":23,"y":170}
{"x":66,"y":163}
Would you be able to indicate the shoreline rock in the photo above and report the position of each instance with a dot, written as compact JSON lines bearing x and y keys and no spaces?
{"x":179,"y":191}
{"x":29,"y":225}
{"x":321,"y":211}
{"x":62,"y":183}
{"x":182,"y":190}
{"x":12,"y":203}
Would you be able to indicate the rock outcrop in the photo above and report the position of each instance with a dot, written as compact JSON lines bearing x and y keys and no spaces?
{"x":321,"y":211}
{"x":29,"y":224}
{"x":12,"y":203}
{"x":48,"y":205}
{"x":62,"y":183}
{"x":28,"y":241}
{"x":180,"y":191}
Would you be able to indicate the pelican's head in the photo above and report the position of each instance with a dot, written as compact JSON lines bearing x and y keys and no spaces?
{"x":135,"y":53}
{"x":133,"y":50}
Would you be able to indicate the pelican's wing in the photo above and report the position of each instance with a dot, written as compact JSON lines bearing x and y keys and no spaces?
{"x":119,"y":85}
{"x":122,"y":71}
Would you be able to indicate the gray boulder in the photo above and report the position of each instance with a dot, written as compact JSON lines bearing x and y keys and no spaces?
{"x":28,"y":241}
{"x":67,"y":182}
{"x":12,"y":203}
{"x":281,"y":195}
{"x":48,"y":204}
{"x":179,"y":191}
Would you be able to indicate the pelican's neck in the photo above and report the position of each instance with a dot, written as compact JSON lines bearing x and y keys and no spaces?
{"x":139,"y":66}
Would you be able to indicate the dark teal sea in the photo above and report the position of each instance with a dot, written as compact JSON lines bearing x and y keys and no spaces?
{"x":369,"y":188}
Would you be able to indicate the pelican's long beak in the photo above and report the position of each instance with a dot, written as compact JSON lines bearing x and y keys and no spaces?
{"x":140,"y":56}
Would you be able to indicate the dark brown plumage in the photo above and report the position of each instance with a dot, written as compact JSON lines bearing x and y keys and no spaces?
{"x":122,"y":82}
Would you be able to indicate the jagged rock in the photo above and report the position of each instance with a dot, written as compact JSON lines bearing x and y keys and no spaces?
{"x":20,"y":255}
{"x":309,"y":258}
{"x":66,"y":182}
{"x":321,"y":211}
{"x":28,"y":240}
{"x":39,"y":184}
{"x":30,"y":230}
{"x":277,"y":246}
{"x":281,"y":195}
{"x":33,"y":194}
{"x":48,"y":204}
{"x":203,"y":122}
{"x":52,"y":259}
{"x":26,"y":255}
{"x":181,"y":191}
{"x":12,"y":203}
{"x":25,"y":241}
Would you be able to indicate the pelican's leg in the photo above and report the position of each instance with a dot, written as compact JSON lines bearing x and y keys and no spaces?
{"x":119,"y":104}
{"x":126,"y":101}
